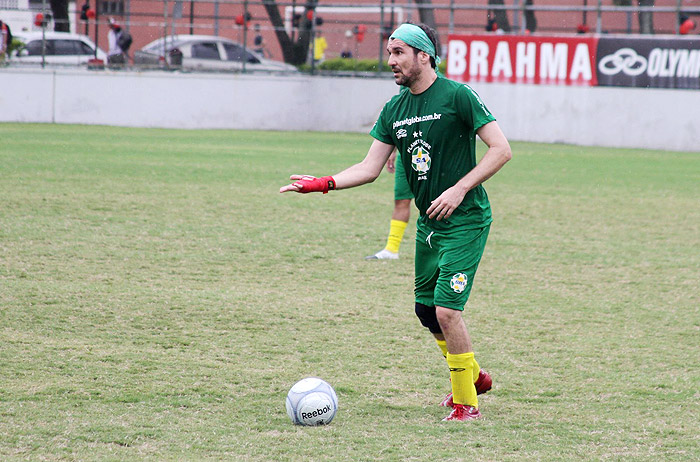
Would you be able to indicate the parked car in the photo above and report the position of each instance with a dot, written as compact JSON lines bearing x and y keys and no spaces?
{"x":62,"y":48}
{"x":204,"y":52}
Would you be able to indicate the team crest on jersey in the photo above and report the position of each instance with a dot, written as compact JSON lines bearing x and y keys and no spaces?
{"x":459,"y":282}
{"x":420,"y":157}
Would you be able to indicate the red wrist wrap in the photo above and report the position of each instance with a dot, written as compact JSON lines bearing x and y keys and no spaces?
{"x":311,"y":184}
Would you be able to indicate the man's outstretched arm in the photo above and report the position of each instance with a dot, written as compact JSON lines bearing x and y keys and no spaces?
{"x":364,"y":172}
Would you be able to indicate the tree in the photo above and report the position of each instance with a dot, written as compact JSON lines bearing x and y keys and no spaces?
{"x":426,"y":13}
{"x":294,"y":50}
{"x":59,"y":9}
{"x":530,"y":19}
{"x":646,"y":18}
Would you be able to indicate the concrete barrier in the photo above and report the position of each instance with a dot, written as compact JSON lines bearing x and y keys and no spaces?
{"x":594,"y":116}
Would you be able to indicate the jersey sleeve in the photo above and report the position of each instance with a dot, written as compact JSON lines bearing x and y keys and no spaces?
{"x":471,"y":108}
{"x":381,"y":131}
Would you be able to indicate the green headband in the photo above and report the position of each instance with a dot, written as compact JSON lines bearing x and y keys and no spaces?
{"x":416,"y":37}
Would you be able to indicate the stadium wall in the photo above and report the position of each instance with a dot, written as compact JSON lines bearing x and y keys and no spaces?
{"x":592,"y":116}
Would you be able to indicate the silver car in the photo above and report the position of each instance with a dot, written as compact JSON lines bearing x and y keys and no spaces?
{"x":206,"y":53}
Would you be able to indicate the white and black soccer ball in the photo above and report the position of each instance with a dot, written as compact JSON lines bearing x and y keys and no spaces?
{"x":312,"y":401}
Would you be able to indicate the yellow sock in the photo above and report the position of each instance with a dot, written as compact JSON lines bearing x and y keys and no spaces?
{"x":396,"y":231}
{"x":476,"y":370}
{"x":461,"y":372}
{"x":443,"y":347}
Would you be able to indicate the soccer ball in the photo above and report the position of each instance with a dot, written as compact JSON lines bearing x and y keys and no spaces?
{"x":311,"y":401}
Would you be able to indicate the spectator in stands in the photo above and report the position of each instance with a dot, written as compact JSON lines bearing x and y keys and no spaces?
{"x":5,"y":40}
{"x":259,"y":43}
{"x":346,"y":51}
{"x":686,"y":25}
{"x":497,"y":18}
{"x":320,"y":45}
{"x":116,"y":57}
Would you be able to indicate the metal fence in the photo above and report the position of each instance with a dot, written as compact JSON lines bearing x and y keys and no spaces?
{"x":356,"y":29}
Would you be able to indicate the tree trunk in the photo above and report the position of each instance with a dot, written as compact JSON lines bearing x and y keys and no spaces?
{"x":293,"y":51}
{"x":530,"y":20}
{"x":646,"y":18}
{"x":59,"y":9}
{"x":426,"y":14}
{"x":501,"y":16}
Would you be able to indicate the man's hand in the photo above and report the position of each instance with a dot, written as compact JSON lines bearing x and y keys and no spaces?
{"x":446,"y":203}
{"x":391,"y":163}
{"x":307,"y":183}
{"x":495,"y":157}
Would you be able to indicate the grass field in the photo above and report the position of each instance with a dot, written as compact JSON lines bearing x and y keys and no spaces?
{"x":158,"y":297}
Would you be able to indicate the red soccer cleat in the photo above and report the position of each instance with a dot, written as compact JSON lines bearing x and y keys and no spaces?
{"x":482,"y":385}
{"x":447,"y":401}
{"x":462,"y":412}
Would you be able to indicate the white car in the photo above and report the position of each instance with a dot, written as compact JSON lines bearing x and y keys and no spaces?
{"x":61,"y":48}
{"x":205,"y":52}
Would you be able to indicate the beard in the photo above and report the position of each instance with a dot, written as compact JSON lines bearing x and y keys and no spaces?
{"x":410,"y":76}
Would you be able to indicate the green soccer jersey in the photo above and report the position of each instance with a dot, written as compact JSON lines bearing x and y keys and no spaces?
{"x":435,"y":135}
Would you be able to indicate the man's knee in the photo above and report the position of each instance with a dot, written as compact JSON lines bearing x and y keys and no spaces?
{"x":447,"y":316}
{"x":402,"y":209}
{"x":403,"y":204}
{"x":427,"y":317}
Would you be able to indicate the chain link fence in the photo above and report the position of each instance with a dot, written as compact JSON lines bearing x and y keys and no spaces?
{"x":319,"y":34}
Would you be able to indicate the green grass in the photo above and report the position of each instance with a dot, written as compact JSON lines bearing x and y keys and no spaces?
{"x":158,"y":297}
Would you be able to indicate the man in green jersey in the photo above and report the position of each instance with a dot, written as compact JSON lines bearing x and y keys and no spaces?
{"x":433,"y":126}
{"x":400,"y":214}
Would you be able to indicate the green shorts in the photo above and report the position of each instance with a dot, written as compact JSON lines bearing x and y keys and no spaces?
{"x":401,"y":188}
{"x":446,"y":264}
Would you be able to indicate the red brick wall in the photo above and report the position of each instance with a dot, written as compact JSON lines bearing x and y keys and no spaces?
{"x":146,"y":21}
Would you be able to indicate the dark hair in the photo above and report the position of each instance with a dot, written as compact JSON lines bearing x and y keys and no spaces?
{"x":432,"y":35}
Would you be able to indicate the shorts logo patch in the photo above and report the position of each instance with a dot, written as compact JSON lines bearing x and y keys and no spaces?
{"x":459,"y":282}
